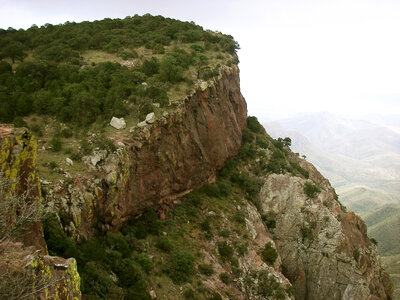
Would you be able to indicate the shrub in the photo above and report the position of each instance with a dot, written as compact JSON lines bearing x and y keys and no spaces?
{"x":189,"y":294}
{"x":224,"y":189}
{"x":296,"y":167}
{"x":224,"y":277}
{"x":58,"y":243}
{"x":180,"y":266}
{"x":164,"y":244}
{"x":56,"y":144}
{"x":251,"y":185}
{"x":116,"y":241}
{"x":224,"y":233}
{"x":374,"y":241}
{"x":356,"y":254}
{"x":247,"y":136}
{"x":53,"y":165}
{"x":215,"y":296}
{"x":242,"y":249}
{"x":268,"y":286}
{"x":311,"y":190}
{"x":269,"y":254}
{"x":254,"y":125}
{"x":262,"y":143}
{"x":144,"y":261}
{"x":66,"y":133}
{"x":307,"y":233}
{"x":239,"y":217}
{"x":210,"y":190}
{"x":269,"y":219}
{"x":206,"y":269}
{"x":224,"y":250}
{"x":205,"y":226}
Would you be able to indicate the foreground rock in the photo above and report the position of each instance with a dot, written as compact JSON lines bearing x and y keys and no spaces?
{"x":325,"y":251}
{"x":26,"y":271}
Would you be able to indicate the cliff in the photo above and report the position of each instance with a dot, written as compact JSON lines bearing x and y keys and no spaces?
{"x":325,"y":250}
{"x":25,"y":268}
{"x":159,"y":162}
{"x":270,"y":227}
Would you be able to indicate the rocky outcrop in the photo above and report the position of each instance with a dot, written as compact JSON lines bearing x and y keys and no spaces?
{"x":182,"y":151}
{"x":162,"y":159}
{"x":325,"y":251}
{"x":25,"y":268}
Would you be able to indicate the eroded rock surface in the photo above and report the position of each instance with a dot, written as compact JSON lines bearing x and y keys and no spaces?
{"x":325,"y":251}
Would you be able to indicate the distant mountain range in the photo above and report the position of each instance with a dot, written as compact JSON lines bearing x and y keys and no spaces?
{"x":361,"y":158}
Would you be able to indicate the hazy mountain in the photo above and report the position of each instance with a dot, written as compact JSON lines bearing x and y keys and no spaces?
{"x":361,"y":157}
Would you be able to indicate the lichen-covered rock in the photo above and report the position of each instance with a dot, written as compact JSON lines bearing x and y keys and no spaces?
{"x":325,"y":251}
{"x":26,"y":273}
{"x":18,"y":165}
{"x":25,"y":264}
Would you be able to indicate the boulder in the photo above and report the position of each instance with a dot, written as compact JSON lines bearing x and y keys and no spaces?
{"x":69,"y":161}
{"x":97,"y":157}
{"x":142,"y":124}
{"x":118,"y":123}
{"x":150,"y":118}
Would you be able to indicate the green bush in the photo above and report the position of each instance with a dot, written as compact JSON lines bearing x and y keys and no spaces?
{"x":189,"y":294}
{"x":144,"y":261}
{"x":356,"y":254}
{"x":53,"y":165}
{"x":269,"y":219}
{"x":254,"y":125}
{"x":296,"y":167}
{"x":224,"y":277}
{"x":239,"y":217}
{"x":268,"y":286}
{"x":251,"y":185}
{"x":224,"y":250}
{"x":210,"y":190}
{"x":66,"y":133}
{"x":180,"y":266}
{"x":269,"y":254}
{"x":55,"y":144}
{"x":58,"y":243}
{"x":247,"y":136}
{"x":164,"y":244}
{"x":116,"y":241}
{"x":242,"y":248}
{"x":224,"y":233}
{"x":307,"y":233}
{"x":215,"y":296}
{"x":311,"y":190}
{"x":206,"y":269}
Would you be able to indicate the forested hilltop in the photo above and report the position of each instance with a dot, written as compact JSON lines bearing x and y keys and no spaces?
{"x":85,"y":72}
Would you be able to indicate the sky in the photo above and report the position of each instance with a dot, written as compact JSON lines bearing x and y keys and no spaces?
{"x":341,"y":56}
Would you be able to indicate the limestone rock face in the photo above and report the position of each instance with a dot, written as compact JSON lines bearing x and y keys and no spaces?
{"x":325,"y":251}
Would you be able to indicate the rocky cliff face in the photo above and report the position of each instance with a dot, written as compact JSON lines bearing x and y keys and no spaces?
{"x":159,"y":162}
{"x":25,"y":268}
{"x":182,"y":151}
{"x":325,"y":251}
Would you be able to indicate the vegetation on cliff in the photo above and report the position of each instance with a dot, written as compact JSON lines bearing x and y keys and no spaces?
{"x":204,"y":235}
{"x":90,"y":71}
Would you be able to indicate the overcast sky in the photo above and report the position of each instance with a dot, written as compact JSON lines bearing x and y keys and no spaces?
{"x":324,"y":55}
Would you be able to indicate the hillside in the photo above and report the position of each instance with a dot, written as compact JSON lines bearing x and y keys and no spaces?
{"x":190,"y":200}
